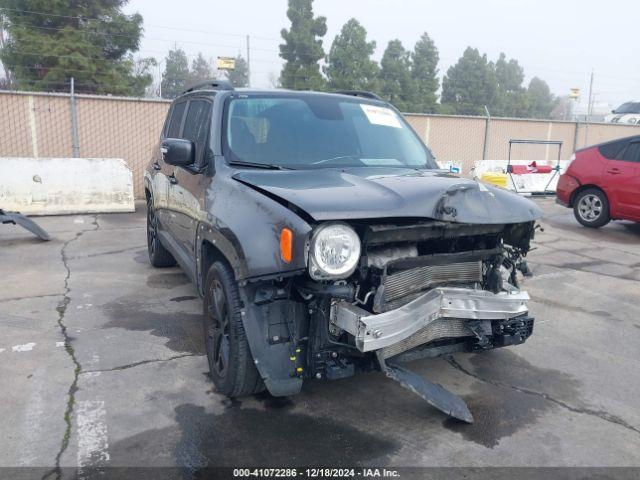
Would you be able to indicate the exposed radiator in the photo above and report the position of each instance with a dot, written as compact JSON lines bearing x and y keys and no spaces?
{"x":441,"y":328}
{"x":404,"y":286}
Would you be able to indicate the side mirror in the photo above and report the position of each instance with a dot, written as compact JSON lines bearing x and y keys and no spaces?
{"x":178,"y":152}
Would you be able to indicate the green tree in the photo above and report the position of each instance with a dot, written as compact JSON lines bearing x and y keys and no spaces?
{"x":200,"y":70}
{"x":349,"y":65}
{"x":397,"y":84}
{"x":541,"y":100}
{"x":302,"y":47}
{"x":142,"y":75}
{"x":511,"y":99}
{"x":239,"y":77}
{"x":562,"y":108}
{"x":176,"y":73}
{"x":424,"y":71}
{"x":470,"y":84}
{"x":90,"y":40}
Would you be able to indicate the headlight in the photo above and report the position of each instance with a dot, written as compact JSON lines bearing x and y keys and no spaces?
{"x":334,"y":251}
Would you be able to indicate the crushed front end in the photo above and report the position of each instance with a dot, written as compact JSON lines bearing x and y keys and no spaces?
{"x":420,"y":289}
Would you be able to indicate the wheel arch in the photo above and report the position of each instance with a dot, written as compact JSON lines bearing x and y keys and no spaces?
{"x":582,"y":188}
{"x":214,"y":247}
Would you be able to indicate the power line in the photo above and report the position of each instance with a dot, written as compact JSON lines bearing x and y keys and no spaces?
{"x":181,"y":29}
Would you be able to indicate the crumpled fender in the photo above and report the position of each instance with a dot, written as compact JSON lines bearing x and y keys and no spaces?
{"x":246,"y":227}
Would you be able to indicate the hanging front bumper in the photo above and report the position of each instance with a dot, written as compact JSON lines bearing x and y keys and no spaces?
{"x":440,"y":313}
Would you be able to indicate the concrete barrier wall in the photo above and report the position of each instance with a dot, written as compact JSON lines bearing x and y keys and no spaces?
{"x":53,"y":186}
{"x":39,"y":125}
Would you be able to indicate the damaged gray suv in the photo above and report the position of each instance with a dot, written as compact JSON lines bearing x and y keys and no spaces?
{"x":325,"y":241}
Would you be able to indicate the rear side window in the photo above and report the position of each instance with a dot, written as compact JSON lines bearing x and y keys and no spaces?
{"x":176,"y":120}
{"x":611,"y":151}
{"x":197,"y":124}
{"x":631,"y":153}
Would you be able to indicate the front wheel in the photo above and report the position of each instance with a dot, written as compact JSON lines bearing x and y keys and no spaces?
{"x":230,"y":361}
{"x":591,"y":208}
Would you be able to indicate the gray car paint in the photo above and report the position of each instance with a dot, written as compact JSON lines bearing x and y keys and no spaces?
{"x":240,"y":212}
{"x":372,"y":192}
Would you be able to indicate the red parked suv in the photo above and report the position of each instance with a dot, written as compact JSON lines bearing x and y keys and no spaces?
{"x":602,"y":183}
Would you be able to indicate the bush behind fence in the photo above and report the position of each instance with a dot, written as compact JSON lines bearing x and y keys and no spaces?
{"x":40,"y":125}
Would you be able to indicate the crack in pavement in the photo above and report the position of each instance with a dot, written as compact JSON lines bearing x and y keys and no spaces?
{"x":143,"y":362}
{"x":111,"y":252}
{"x":595,"y":259}
{"x":62,"y":309}
{"x":30,"y":297}
{"x":602,"y":415}
{"x":573,"y":267}
{"x":550,"y":243}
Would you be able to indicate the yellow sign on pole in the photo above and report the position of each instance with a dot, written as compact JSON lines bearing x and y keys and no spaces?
{"x":226,"y":63}
{"x":575,"y":93}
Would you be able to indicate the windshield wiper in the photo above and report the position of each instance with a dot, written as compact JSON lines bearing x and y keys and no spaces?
{"x":335,"y":159}
{"x":266,"y":166}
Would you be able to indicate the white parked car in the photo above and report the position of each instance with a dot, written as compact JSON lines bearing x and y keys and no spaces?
{"x":628,"y":113}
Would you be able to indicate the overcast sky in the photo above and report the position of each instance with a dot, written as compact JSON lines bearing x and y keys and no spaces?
{"x":557,"y":40}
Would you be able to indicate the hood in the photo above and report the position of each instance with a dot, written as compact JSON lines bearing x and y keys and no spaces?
{"x":370,"y":192}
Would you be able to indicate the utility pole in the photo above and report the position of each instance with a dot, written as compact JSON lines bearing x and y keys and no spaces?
{"x":248,"y":62}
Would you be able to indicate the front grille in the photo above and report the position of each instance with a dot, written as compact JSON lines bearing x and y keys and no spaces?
{"x":406,"y":285}
{"x":437,"y":330}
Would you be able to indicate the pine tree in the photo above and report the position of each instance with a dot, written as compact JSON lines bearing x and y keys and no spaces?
{"x":302,"y":47}
{"x":200,"y":70}
{"x":511,"y":98}
{"x":239,"y":77}
{"x":397,"y":84}
{"x":91,"y":40}
{"x":176,"y":73}
{"x":349,"y":65}
{"x":541,"y":100}
{"x":424,"y":71}
{"x":469,"y":85}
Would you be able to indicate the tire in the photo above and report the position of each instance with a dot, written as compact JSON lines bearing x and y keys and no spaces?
{"x":159,"y":256}
{"x":230,"y":361}
{"x":591,"y":208}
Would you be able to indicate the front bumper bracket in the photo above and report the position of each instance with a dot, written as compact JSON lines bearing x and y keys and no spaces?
{"x":436,"y":395}
{"x":376,"y":331}
{"x":18,"y":219}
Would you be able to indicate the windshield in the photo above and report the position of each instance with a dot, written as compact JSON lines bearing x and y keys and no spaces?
{"x":629,"y":107}
{"x":320,"y":131}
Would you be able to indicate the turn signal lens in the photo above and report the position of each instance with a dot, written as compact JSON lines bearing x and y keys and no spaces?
{"x":286,"y":245}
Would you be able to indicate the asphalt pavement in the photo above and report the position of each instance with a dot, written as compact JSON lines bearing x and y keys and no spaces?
{"x":102,"y":364}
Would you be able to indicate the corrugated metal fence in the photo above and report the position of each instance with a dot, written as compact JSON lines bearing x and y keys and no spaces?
{"x":39,"y":125}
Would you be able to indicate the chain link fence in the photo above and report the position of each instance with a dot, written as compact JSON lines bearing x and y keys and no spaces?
{"x":464,"y":140}
{"x":41,"y":125}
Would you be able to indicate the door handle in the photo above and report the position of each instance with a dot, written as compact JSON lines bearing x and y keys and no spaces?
{"x":156,"y":166}
{"x":613,"y":171}
{"x":172,"y":179}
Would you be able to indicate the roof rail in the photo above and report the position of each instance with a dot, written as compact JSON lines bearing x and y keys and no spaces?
{"x":359,"y":93}
{"x":210,"y":85}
